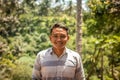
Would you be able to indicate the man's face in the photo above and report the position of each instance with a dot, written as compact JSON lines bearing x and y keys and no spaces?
{"x":59,"y":38}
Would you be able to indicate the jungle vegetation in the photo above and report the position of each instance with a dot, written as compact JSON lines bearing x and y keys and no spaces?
{"x":24,"y":31}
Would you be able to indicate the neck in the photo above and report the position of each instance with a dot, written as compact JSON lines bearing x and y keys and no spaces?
{"x":57,"y":51}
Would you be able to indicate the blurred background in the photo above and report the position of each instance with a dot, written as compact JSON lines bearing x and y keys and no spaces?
{"x":24,"y":31}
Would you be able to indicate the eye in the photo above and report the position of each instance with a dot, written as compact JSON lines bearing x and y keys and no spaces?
{"x":55,"y":36}
{"x":63,"y":36}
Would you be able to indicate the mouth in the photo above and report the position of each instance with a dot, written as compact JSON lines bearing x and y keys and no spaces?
{"x":59,"y":43}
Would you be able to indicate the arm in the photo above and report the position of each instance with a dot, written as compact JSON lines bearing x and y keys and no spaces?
{"x":36,"y":75}
{"x":79,"y":70}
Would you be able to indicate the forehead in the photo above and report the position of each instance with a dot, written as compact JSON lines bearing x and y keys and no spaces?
{"x":59,"y":30}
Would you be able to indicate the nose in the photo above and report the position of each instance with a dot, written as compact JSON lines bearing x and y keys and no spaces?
{"x":58,"y":39}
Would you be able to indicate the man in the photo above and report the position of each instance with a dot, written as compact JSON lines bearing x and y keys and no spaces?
{"x":58,"y":62}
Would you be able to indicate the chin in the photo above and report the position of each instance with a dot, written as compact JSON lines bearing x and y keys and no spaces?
{"x":59,"y":47}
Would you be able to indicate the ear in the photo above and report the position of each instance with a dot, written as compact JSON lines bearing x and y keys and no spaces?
{"x":50,"y":37}
{"x":68,"y":37}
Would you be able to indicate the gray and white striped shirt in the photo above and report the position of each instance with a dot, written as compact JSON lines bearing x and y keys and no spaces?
{"x":50,"y":67}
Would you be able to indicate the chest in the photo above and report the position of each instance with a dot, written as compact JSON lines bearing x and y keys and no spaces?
{"x":52,"y":66}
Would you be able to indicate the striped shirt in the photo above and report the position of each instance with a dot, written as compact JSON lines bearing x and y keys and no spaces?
{"x":50,"y":67}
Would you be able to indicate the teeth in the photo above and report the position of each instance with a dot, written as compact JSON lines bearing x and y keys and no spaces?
{"x":59,"y":43}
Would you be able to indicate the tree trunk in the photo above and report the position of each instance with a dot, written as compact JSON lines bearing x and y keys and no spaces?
{"x":79,"y":27}
{"x":102,"y":66}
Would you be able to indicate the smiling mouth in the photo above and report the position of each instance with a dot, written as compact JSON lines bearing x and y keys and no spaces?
{"x":59,"y":43}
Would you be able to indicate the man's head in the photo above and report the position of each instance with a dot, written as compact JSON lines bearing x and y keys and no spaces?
{"x":59,"y":35}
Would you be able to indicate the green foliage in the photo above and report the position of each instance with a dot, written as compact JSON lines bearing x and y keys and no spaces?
{"x":6,"y":67}
{"x":24,"y":31}
{"x":102,"y":42}
{"x":22,"y":72}
{"x":23,"y":69}
{"x":31,"y":36}
{"x":94,"y":78}
{"x":106,"y":14}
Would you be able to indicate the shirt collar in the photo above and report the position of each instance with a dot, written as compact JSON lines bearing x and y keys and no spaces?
{"x":64,"y":52}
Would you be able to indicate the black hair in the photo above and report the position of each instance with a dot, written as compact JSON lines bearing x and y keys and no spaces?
{"x":59,"y":25}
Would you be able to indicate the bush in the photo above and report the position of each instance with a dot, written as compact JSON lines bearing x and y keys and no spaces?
{"x":23,"y":70}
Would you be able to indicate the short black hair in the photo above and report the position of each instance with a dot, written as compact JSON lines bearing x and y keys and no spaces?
{"x":59,"y":25}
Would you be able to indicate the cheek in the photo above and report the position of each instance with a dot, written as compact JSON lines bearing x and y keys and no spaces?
{"x":52,"y":41}
{"x":64,"y":41}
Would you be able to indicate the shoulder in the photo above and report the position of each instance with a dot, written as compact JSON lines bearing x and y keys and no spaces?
{"x":73,"y":53}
